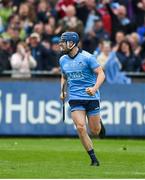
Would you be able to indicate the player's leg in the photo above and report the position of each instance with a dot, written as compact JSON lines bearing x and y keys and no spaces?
{"x":94,"y":119}
{"x":94,"y":124}
{"x":79,"y":118}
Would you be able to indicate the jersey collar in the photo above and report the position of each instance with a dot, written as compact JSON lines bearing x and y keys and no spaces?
{"x":79,"y":51}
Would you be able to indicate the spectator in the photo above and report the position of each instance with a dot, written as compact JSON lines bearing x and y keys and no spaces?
{"x":119,"y":19}
{"x":5,"y":11}
{"x":43,"y":11}
{"x":93,"y":37}
{"x":5,"y":54}
{"x":39,"y":52}
{"x":128,"y":59}
{"x":113,"y":71}
{"x":119,"y":37}
{"x":139,"y":9}
{"x":16,"y":23}
{"x":91,"y":5}
{"x":27,"y":13}
{"x":62,"y":5}
{"x":28,"y":16}
{"x":12,"y":33}
{"x":22,"y":61}
{"x":130,"y":7}
{"x":39,"y":28}
{"x":104,"y":55}
{"x":82,"y":10}
{"x":48,"y":33}
{"x":70,"y":22}
{"x":54,"y":55}
{"x":49,"y":30}
{"x":106,"y":18}
{"x":52,"y":22}
{"x":135,"y":43}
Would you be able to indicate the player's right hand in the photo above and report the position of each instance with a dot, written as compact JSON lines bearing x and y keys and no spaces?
{"x":63,"y":95}
{"x":91,"y":91}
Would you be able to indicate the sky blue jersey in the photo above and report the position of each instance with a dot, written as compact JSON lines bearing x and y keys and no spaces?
{"x":80,"y":75}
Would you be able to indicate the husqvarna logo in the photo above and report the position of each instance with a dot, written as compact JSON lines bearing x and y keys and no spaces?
{"x":42,"y":111}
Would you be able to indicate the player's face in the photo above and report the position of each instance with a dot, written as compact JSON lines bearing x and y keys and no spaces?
{"x":63,"y":47}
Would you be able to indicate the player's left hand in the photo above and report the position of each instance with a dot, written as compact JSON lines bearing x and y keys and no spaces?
{"x":91,"y":91}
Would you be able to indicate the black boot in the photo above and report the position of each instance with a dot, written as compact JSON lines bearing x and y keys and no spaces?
{"x":95,"y":163}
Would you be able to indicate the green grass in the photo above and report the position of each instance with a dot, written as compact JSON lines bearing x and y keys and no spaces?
{"x":66,"y":158}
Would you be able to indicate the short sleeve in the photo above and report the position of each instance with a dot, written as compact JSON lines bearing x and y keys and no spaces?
{"x":61,"y":65}
{"x":92,"y":62}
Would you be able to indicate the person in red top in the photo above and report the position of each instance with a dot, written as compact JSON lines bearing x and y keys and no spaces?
{"x":61,"y":6}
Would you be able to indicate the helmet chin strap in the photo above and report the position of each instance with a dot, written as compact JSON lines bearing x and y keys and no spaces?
{"x":68,"y":45}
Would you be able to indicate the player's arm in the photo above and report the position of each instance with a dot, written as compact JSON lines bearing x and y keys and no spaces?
{"x":100,"y":79}
{"x":63,"y":87}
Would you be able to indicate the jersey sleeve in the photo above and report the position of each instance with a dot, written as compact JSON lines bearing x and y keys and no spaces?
{"x":92,"y":62}
{"x":61,"y":65}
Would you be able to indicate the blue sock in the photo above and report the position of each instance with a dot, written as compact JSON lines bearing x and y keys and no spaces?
{"x":92,"y":155}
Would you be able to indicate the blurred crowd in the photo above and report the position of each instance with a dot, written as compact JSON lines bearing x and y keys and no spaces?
{"x":113,"y":30}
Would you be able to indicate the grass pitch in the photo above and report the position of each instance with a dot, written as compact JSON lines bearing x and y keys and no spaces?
{"x":66,"y":158}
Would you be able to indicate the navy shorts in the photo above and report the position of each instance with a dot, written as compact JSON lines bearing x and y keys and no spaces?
{"x":92,"y":107}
